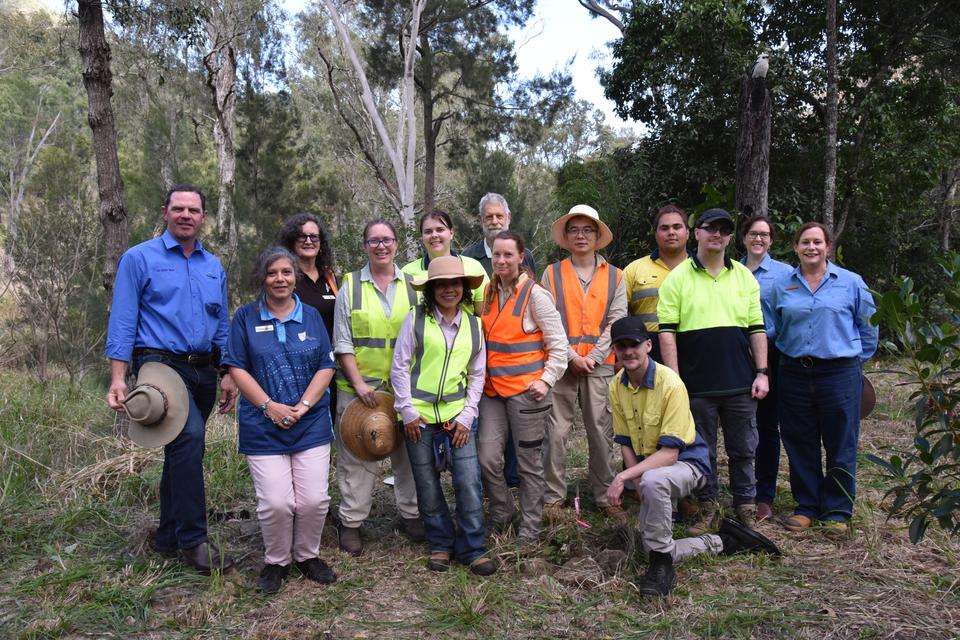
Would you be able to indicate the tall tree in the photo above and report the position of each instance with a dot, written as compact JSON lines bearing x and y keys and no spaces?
{"x":830,"y":152}
{"x":751,"y":182}
{"x":98,"y":80}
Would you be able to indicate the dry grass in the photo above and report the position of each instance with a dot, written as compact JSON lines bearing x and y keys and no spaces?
{"x":75,"y":564}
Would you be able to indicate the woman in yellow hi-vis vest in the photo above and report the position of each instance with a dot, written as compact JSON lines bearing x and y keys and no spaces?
{"x":438,"y":373}
{"x":371,"y":305}
{"x":526,"y":355}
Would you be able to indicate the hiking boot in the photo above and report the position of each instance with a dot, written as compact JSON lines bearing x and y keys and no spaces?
{"x":438,"y":561}
{"x":206,"y":557}
{"x":317,"y":570}
{"x":708,"y":521}
{"x":350,"y":539}
{"x":834,"y":528}
{"x":797,"y":522}
{"x":738,"y":538}
{"x":660,"y":576}
{"x":764,"y":511}
{"x":483,"y":566}
{"x":747,"y":515}
{"x":271,"y":578}
{"x":412,"y":528}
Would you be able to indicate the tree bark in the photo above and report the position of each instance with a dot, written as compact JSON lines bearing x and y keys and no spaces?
{"x":753,"y":147}
{"x":425,"y":88}
{"x":949,"y":205}
{"x":98,"y":80}
{"x":830,"y":153}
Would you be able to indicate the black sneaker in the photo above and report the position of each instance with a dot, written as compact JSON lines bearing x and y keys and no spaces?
{"x":660,"y":576}
{"x":271,"y":577}
{"x":738,"y":538}
{"x":317,"y":570}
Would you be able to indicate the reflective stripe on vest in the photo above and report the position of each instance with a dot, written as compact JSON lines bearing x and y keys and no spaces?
{"x":374,"y":334}
{"x":439,"y":373}
{"x":514,"y":357}
{"x":585,"y":314}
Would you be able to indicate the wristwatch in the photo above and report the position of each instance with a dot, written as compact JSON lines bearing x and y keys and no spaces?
{"x":764,"y":370}
{"x":263,"y":407}
{"x":306,"y":404}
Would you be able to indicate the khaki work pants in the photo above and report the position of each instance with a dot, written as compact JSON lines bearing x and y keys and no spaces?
{"x":591,"y":393}
{"x":524,"y":419}
{"x":357,"y":478}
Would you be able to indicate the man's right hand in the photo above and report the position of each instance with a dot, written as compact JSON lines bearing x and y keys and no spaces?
{"x":366,"y":393}
{"x":116,"y":395}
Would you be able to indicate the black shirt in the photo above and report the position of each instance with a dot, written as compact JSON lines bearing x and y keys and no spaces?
{"x":319,"y":296}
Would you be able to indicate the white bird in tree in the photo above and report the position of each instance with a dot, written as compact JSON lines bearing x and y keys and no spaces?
{"x":761,"y":66}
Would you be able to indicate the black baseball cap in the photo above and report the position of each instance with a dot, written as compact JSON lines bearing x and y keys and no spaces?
{"x":711,"y":216}
{"x":629,"y":328}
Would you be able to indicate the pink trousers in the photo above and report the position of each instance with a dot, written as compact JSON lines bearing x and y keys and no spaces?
{"x":292,"y":502}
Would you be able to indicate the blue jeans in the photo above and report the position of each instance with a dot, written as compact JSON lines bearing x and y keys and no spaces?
{"x":768,"y":430}
{"x":183,"y":504}
{"x":468,"y":541}
{"x":820,"y":405}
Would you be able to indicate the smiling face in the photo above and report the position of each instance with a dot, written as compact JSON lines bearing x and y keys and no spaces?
{"x":672,"y":233}
{"x":494,"y":219}
{"x":184,"y":215}
{"x":448,"y":293}
{"x":758,"y":239}
{"x":380,"y":244}
{"x":633,"y":354}
{"x":812,"y":249}
{"x":280,"y":280}
{"x":506,"y":259}
{"x":436,"y":237}
{"x":582,"y":235}
{"x":307,"y":243}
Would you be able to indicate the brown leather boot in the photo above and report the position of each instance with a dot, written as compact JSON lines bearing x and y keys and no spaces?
{"x":205,"y":557}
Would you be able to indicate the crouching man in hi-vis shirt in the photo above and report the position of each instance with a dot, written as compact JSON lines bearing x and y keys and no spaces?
{"x":664,"y":457}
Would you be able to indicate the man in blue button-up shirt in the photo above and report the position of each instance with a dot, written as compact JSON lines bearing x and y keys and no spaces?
{"x":170,"y":306}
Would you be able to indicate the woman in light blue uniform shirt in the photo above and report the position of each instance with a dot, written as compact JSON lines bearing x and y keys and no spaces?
{"x":757,"y":234}
{"x":821,"y":315}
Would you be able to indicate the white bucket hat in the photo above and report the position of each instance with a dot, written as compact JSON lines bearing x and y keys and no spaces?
{"x":605,"y":236}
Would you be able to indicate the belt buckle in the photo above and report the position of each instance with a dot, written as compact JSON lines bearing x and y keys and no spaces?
{"x":806,"y":362}
{"x":193,"y":358}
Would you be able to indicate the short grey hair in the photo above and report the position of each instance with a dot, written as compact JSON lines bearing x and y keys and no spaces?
{"x":493,"y":198}
{"x":265,"y":260}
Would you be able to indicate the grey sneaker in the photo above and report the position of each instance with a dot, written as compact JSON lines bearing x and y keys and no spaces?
{"x":747,"y":515}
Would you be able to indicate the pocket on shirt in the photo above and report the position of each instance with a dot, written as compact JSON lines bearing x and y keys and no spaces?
{"x":213,"y":308}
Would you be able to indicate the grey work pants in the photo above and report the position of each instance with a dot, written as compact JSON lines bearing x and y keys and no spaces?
{"x":356,"y":478}
{"x":525,"y":419}
{"x":591,"y":393}
{"x":737,"y":416}
{"x":660,"y":489}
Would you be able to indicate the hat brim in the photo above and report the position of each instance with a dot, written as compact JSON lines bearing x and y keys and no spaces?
{"x":419,"y":284}
{"x":178,"y":407}
{"x":353,"y":418}
{"x":604,"y":238}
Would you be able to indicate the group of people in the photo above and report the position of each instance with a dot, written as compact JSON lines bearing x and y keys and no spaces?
{"x":487,"y":365}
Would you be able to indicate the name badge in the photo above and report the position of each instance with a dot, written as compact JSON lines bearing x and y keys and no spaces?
{"x":303,"y":336}
{"x":263,"y":327}
{"x":327,"y":296}
{"x":792,"y":287}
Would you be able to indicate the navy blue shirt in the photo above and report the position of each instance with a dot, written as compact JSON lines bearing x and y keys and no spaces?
{"x":164,"y":300}
{"x":283,"y":357}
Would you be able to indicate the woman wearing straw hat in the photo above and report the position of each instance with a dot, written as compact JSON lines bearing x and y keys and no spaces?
{"x":279,"y":355}
{"x":436,"y":234}
{"x":526,"y":355}
{"x":438,"y":372}
{"x":590,"y":295}
{"x":371,"y":306}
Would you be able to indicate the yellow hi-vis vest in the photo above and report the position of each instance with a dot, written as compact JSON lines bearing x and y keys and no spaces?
{"x":438,"y":373}
{"x":374,"y":334}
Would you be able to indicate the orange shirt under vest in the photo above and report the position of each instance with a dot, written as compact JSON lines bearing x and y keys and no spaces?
{"x":584,"y":313}
{"x":515,"y":358}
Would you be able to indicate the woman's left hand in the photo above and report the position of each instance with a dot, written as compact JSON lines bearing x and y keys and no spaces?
{"x":461,"y":435}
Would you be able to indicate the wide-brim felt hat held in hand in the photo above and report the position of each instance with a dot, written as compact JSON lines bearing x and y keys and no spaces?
{"x":370,"y":433}
{"x":559,"y":229}
{"x":446,"y":268}
{"x":157,"y":406}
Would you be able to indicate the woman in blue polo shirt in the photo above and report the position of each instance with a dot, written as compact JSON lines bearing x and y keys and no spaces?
{"x":821,"y":316}
{"x":758,"y":236}
{"x":279,"y":356}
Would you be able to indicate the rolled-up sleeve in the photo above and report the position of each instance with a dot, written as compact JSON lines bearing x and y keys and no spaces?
{"x":869,"y":332}
{"x":542,"y":313}
{"x":475,"y":379}
{"x":400,"y":372}
{"x":342,"y":331}
{"x":618,"y":309}
{"x":125,"y":308}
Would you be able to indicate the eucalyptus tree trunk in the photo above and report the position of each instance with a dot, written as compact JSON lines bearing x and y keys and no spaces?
{"x":98,"y":80}
{"x":753,"y":147}
{"x":830,"y":154}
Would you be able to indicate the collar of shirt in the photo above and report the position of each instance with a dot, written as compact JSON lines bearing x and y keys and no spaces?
{"x":425,"y":260}
{"x":764,"y":264}
{"x":169,"y":242}
{"x":454,"y":324}
{"x":366,"y":274}
{"x":727,"y":263}
{"x":296,"y":316}
{"x":832,"y":273}
{"x":506,"y":293}
{"x":655,"y":255}
{"x":648,"y":377}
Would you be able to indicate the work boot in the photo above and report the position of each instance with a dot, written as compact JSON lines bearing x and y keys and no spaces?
{"x":317,"y":570}
{"x":764,"y":511}
{"x":747,"y":515}
{"x":439,"y":561}
{"x":271,"y":577}
{"x":738,"y":538}
{"x":483,"y":566}
{"x":206,"y":557}
{"x":350,"y":539}
{"x":708,"y":521}
{"x":834,"y":528}
{"x":412,"y":528}
{"x":797,"y":522}
{"x":660,"y":576}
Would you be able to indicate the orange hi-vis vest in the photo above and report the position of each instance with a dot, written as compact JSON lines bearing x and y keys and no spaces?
{"x":585,"y":314}
{"x":515,"y":358}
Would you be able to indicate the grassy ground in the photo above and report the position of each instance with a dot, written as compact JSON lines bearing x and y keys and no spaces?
{"x":76,"y":509}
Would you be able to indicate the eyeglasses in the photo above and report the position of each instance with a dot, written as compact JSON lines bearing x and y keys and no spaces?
{"x":586,"y":232}
{"x":759,"y":235}
{"x":308,"y":237}
{"x":375,"y":242}
{"x":715,"y":228}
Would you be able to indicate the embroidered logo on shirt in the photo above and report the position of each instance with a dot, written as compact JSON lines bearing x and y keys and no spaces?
{"x":263,"y":327}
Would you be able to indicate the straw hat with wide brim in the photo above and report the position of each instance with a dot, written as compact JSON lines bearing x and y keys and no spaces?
{"x":586,"y":211}
{"x":157,"y":406}
{"x":868,"y":398}
{"x":446,"y":268}
{"x":370,"y":433}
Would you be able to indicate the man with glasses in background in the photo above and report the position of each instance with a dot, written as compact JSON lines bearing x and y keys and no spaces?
{"x":712,"y":334}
